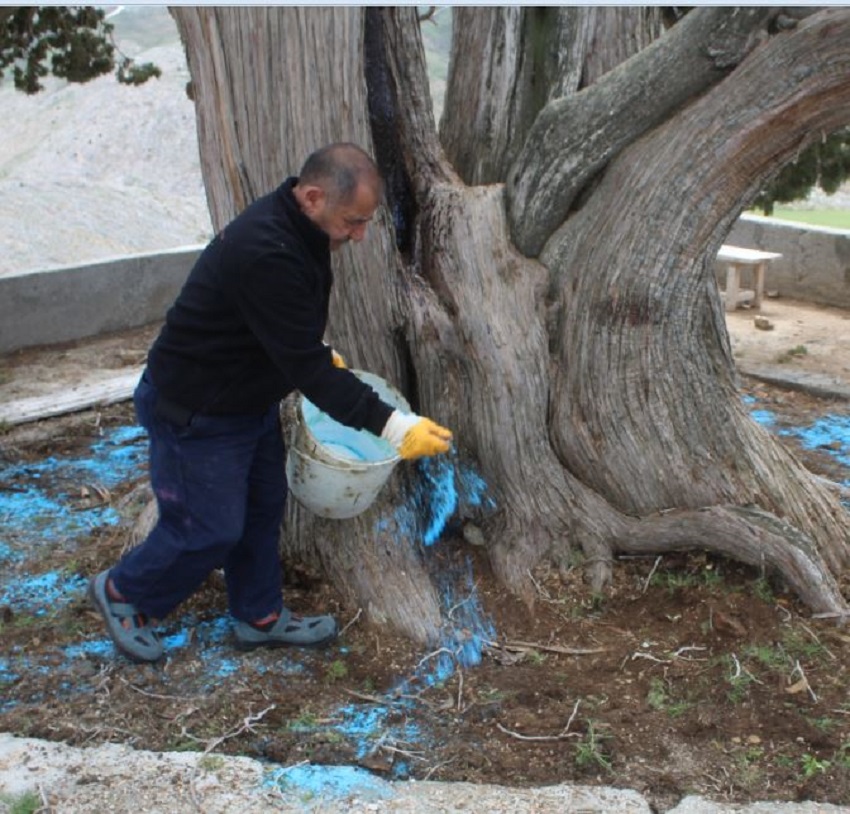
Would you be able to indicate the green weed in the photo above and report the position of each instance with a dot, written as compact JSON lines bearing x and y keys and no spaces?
{"x":824,"y":724}
{"x":660,"y":699}
{"x":657,"y":695}
{"x":770,"y":656}
{"x":27,"y":803}
{"x":799,"y":645}
{"x":738,"y":678}
{"x":589,"y":751}
{"x":673,"y":580}
{"x":792,"y":353}
{"x":536,"y":658}
{"x":763,"y":591}
{"x":305,"y":721}
{"x":336,"y":670}
{"x":211,"y":763}
{"x":842,"y":755}
{"x":812,"y":766}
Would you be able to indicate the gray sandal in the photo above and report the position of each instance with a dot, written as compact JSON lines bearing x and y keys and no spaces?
{"x":288,"y":631}
{"x":129,"y":630}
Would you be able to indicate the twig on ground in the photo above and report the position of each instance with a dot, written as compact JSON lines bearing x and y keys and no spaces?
{"x":678,"y":653}
{"x":538,"y":587}
{"x":799,"y":669}
{"x":649,"y":657}
{"x":246,"y":726}
{"x":436,"y":766}
{"x":353,"y":621}
{"x":737,"y":668}
{"x":817,"y":640}
{"x":406,"y":752}
{"x":518,"y":646}
{"x":430,"y":656}
{"x":45,"y":802}
{"x":372,"y":699}
{"x":651,"y":574}
{"x":161,"y":696}
{"x":460,"y":604}
{"x":562,"y":735}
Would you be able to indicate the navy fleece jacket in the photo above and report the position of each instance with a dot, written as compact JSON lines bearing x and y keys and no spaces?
{"x":247,"y":327}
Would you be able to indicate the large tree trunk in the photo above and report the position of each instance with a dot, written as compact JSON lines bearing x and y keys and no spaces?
{"x":591,"y":389}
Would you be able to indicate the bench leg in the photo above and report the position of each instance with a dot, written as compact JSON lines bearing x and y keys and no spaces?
{"x":758,"y":284}
{"x":733,"y":286}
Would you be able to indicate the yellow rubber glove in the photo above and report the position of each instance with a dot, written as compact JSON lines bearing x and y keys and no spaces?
{"x":416,"y":437}
{"x":336,"y":358}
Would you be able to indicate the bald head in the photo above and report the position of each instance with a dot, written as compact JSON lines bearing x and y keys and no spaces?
{"x":340,"y":169}
{"x":339,"y":190}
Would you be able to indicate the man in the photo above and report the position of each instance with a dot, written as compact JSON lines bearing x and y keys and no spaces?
{"x":245,"y":331}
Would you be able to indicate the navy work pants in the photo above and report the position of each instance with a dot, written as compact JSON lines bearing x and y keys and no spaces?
{"x":220,"y":484}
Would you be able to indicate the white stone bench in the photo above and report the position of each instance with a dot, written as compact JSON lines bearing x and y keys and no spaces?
{"x":738,"y":259}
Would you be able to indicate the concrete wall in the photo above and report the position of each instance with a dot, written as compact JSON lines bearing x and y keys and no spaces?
{"x":815,"y":262}
{"x":75,"y":302}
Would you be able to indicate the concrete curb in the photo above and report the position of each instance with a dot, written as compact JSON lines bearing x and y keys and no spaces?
{"x":817,"y":384}
{"x":114,"y":777}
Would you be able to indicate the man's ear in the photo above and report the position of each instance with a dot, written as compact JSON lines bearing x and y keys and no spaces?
{"x":312,"y":199}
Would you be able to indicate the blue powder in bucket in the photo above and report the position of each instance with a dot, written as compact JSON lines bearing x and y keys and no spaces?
{"x":345,"y":442}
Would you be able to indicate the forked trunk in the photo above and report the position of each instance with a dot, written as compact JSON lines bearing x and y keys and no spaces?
{"x":591,"y":391}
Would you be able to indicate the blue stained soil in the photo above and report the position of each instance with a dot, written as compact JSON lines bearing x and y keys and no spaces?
{"x":38,"y":503}
{"x":311,"y":783}
{"x":829,"y":433}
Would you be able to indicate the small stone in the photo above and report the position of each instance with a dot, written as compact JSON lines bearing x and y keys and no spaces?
{"x":473,"y":535}
{"x":753,"y":739}
{"x":763,"y":323}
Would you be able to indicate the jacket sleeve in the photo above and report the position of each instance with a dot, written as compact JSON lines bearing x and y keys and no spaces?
{"x":283,"y":305}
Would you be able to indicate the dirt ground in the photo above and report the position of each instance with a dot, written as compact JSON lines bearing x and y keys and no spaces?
{"x":694,"y":675}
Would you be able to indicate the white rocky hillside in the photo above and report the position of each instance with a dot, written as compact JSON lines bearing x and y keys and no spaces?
{"x":101,"y":169}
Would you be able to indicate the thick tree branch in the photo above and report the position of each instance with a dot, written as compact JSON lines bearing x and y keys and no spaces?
{"x":508,"y":62}
{"x":575,"y":136}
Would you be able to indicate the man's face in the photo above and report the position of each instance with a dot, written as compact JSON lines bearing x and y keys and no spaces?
{"x":342,"y":222}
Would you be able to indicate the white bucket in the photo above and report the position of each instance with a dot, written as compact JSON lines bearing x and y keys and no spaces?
{"x":336,"y":471}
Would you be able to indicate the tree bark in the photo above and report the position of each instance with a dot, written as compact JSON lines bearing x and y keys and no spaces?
{"x":592,"y":392}
{"x":644,"y":309}
{"x":530,"y":56}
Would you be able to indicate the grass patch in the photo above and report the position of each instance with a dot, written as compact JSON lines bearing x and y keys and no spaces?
{"x":792,"y":353}
{"x":27,"y":803}
{"x":830,"y":218}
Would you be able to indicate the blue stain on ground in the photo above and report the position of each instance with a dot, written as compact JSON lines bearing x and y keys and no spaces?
{"x":442,"y":491}
{"x":42,"y":593}
{"x":311,"y":783}
{"x":36,"y":503}
{"x":764,"y":417}
{"x":34,"y":506}
{"x":831,"y":433}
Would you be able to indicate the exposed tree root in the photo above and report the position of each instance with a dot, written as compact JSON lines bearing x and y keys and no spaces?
{"x":747,"y":534}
